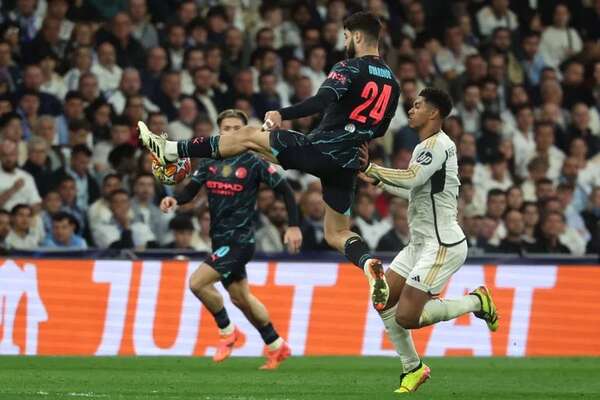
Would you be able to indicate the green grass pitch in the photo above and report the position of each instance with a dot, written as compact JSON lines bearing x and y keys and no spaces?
{"x":369,"y":378}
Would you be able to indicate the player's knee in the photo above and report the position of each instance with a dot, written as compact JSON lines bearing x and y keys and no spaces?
{"x":332,"y":237}
{"x":239,"y":300}
{"x":406,"y":321}
{"x":197,"y":284}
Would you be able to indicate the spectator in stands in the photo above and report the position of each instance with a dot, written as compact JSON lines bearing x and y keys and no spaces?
{"x":63,"y":236}
{"x":366,"y":221}
{"x":22,"y":236}
{"x":79,"y":169}
{"x":515,"y":226}
{"x":313,"y":211}
{"x":4,"y":227}
{"x":547,"y":241}
{"x":182,"y":127}
{"x":12,"y":129}
{"x":267,"y":98}
{"x":201,"y":239}
{"x":67,"y":189}
{"x":209,"y":97}
{"x":316,"y":60}
{"x":142,"y":204}
{"x":523,"y":139}
{"x":28,"y":108}
{"x":581,"y":128}
{"x":82,"y":64}
{"x":269,"y":237}
{"x":142,"y":29}
{"x":38,"y":164}
{"x":32,"y":81}
{"x":559,"y":41}
{"x":193,"y":58}
{"x":47,"y":40}
{"x":514,"y":198}
{"x":51,"y":205}
{"x":129,"y":51}
{"x":183,"y":231}
{"x":16,"y":185}
{"x":73,"y":111}
{"x":490,"y":138}
{"x":497,"y":14}
{"x":99,"y":211}
{"x":119,"y":135}
{"x":169,"y":95}
{"x":591,"y":216}
{"x":106,"y":69}
{"x":89,"y":88}
{"x":545,"y":148}
{"x":470,"y":108}
{"x":544,"y":189}
{"x":156,"y":64}
{"x":123,"y":230}
{"x":11,"y":71}
{"x":451,"y":59}
{"x":399,"y":235}
{"x":532,"y":60}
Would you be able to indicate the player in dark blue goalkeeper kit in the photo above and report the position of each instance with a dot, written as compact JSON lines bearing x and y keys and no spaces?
{"x":232,"y":185}
{"x":358,"y":99}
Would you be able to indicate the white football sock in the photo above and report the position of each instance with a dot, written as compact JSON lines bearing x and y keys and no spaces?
{"x":228,"y":330}
{"x":171,"y":153}
{"x":437,"y":310}
{"x":402,"y":340}
{"x":276,"y":344}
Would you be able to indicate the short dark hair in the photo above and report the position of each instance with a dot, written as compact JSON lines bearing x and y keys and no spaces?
{"x":495,"y":192}
{"x":73,"y":95}
{"x":181,"y":222}
{"x":439,"y":99}
{"x":18,"y":207}
{"x":117,"y":192}
{"x":65,"y":178}
{"x":81,"y":148}
{"x":142,"y":175}
{"x":365,"y":22}
{"x":79,"y":124}
{"x":62,"y":215}
{"x":111,"y":175}
{"x":544,"y":181}
{"x":466,"y":160}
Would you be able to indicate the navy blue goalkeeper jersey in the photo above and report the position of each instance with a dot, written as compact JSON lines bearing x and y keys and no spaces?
{"x":232,"y":185}
{"x":367,"y":97}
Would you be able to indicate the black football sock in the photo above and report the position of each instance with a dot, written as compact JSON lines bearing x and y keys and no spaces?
{"x":199,"y":148}
{"x":222,"y":319}
{"x":357,"y":251}
{"x":268,"y":333}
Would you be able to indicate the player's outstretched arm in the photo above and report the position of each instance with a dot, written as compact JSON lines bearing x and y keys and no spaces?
{"x":417,"y":173}
{"x":187,"y":194}
{"x":310,"y":106}
{"x":363,"y":156}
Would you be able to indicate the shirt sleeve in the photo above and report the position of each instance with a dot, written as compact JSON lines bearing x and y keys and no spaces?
{"x":32,"y":191}
{"x":395,"y":190}
{"x":268,"y":173}
{"x":339,"y":78}
{"x":424,"y":164}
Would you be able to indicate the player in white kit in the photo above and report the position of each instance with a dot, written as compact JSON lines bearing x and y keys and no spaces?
{"x":438,"y":246}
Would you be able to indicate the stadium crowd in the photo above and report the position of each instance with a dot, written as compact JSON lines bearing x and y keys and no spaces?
{"x":76,"y":76}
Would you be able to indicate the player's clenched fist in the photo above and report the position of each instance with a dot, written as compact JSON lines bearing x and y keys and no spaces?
{"x":272,"y":120}
{"x":293,"y":239}
{"x":167,"y":204}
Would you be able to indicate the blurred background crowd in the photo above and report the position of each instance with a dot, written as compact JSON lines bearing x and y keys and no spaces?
{"x":76,"y":76}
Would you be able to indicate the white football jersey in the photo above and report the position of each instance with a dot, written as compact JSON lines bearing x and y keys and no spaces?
{"x":432,"y":184}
